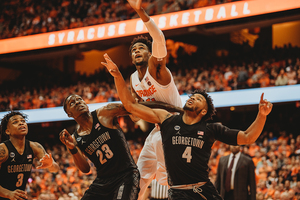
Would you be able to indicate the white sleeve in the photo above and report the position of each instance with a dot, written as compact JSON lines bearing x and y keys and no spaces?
{"x":159,"y":49}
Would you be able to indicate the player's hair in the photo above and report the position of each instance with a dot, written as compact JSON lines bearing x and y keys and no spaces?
{"x":65,"y":103}
{"x":142,"y":39}
{"x":4,"y":122}
{"x":211,"y":111}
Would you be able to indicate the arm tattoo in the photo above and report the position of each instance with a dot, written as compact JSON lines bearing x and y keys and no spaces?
{"x":2,"y":153}
{"x":41,"y":147}
{"x":168,"y":115}
{"x":119,"y":107}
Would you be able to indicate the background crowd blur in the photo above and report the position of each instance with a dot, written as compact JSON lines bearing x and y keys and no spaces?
{"x":242,"y":66}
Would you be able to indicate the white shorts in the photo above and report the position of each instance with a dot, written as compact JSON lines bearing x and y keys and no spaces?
{"x":151,"y":160}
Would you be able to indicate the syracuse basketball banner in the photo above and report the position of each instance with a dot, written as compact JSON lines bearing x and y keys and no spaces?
{"x":168,"y":21}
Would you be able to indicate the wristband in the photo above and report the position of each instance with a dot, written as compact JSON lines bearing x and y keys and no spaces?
{"x":73,"y":151}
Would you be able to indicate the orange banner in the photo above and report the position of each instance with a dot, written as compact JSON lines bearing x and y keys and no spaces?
{"x":168,"y":21}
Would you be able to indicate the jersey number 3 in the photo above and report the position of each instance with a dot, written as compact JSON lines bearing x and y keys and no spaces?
{"x":107,"y":153}
{"x":187,"y":154}
{"x":20,"y":180}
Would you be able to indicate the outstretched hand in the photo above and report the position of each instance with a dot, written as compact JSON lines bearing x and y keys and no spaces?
{"x":111,"y":66}
{"x":135,"y":4}
{"x":265,"y":106}
{"x":66,"y":139}
{"x":45,"y":162}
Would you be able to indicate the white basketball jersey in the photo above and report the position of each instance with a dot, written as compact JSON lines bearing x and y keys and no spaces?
{"x":150,"y":90}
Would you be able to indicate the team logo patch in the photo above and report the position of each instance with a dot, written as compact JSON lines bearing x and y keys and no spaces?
{"x":12,"y":154}
{"x":78,"y":139}
{"x":29,"y":156}
{"x":176,"y":127}
{"x":149,"y":83}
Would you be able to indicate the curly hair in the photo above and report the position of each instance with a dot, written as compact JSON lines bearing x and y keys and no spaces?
{"x":5,"y":119}
{"x":211,"y":111}
{"x":142,"y":39}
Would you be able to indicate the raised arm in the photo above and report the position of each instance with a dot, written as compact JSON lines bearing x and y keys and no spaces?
{"x":137,"y":109}
{"x":252,"y":133}
{"x":159,"y":49}
{"x":80,"y":161}
{"x":46,"y":160}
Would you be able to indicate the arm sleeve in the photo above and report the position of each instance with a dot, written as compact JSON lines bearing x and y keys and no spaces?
{"x":159,"y":49}
{"x":224,"y":134}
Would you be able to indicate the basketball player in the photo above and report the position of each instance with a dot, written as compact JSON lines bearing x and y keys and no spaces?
{"x":152,"y":81}
{"x":16,"y":157}
{"x":187,"y":138}
{"x":101,"y":140}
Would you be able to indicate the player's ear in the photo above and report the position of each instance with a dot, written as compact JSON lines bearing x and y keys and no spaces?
{"x":203,"y":111}
{"x":70,"y":114}
{"x":7,"y":132}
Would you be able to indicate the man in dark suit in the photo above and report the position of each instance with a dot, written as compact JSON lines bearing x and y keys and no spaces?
{"x":235,"y":176}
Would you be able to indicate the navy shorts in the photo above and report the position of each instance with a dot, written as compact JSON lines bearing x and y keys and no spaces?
{"x":120,"y":187}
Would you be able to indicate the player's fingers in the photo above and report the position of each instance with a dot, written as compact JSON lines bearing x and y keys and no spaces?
{"x":106,"y":56}
{"x":62,"y":132}
{"x":270,"y":105}
{"x":21,"y":194}
{"x":261,"y":97}
{"x":105,"y":64}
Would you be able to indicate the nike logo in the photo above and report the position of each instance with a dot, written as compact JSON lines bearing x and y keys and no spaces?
{"x":136,"y":85}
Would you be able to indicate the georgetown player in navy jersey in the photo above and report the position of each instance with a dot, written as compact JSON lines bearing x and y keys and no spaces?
{"x":16,"y":157}
{"x":187,"y":138}
{"x":101,"y":140}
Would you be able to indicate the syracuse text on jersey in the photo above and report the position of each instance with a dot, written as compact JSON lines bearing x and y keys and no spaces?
{"x":149,"y":92}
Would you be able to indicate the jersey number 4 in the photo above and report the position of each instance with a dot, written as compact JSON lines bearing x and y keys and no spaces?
{"x":106,"y":153}
{"x":187,"y":154}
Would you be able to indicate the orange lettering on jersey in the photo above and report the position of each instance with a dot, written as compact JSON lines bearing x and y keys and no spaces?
{"x":149,"y":92}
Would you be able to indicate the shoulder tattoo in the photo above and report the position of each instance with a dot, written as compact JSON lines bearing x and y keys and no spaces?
{"x":41,"y":147}
{"x":2,"y":153}
{"x":115,"y":107}
{"x":168,"y":115}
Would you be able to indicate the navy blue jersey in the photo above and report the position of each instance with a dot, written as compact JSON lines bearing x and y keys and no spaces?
{"x":187,"y":148}
{"x":16,"y":170}
{"x":106,"y":148}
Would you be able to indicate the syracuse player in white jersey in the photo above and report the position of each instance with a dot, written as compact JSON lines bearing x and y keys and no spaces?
{"x":152,"y":81}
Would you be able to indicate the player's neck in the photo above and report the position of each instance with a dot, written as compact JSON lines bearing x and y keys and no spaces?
{"x":141,"y":71}
{"x":85,"y":122}
{"x":190,"y":118}
{"x":19,"y":143}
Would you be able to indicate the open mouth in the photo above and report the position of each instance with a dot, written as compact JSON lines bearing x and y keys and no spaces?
{"x":81,"y":107}
{"x":22,"y":128}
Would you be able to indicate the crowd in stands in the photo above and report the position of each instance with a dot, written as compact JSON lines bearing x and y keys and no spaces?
{"x":28,"y":17}
{"x":44,"y":92}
